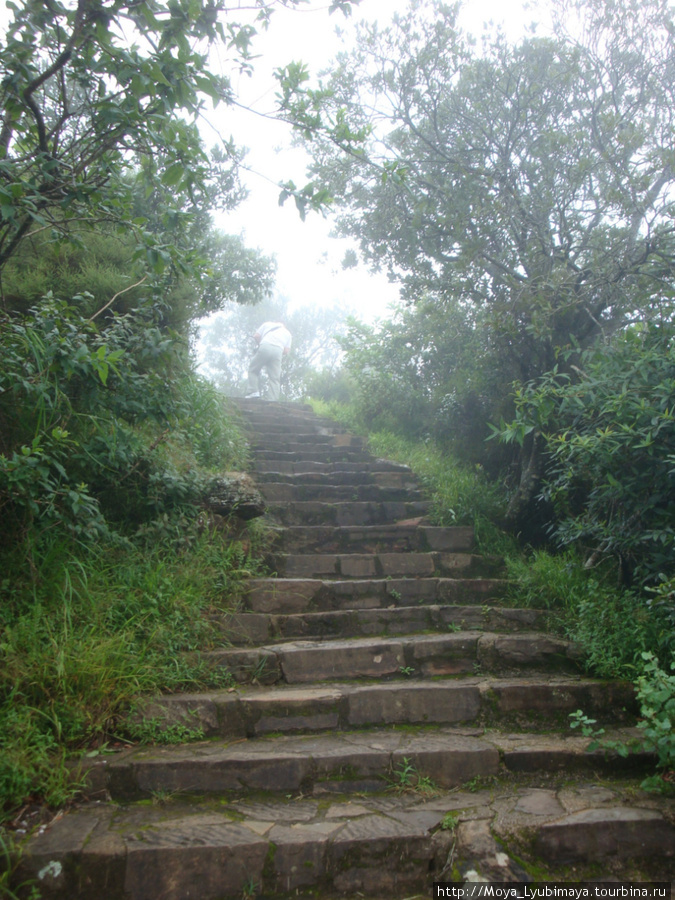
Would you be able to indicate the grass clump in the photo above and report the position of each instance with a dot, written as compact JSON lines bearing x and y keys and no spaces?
{"x":612,"y":625}
{"x":92,"y":629}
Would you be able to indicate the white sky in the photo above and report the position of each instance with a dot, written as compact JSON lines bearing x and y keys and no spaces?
{"x":308,"y":260}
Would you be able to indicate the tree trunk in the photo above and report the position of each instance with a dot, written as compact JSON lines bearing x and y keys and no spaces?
{"x":531,"y":466}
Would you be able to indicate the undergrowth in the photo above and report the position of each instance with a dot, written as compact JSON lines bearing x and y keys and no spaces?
{"x":613,"y":626}
{"x":93,"y":628}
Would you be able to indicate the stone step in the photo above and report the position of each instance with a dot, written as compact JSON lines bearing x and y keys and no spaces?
{"x":424,"y":656}
{"x":286,"y":467}
{"x":299,"y":595}
{"x":387,"y":478}
{"x":305,"y":442}
{"x":275,"y":492}
{"x":261,"y":628}
{"x":377,"y":846}
{"x":317,"y":512}
{"x":238,"y":850}
{"x":303,"y":424}
{"x":276,"y":409}
{"x":373,"y":539}
{"x":531,"y":703}
{"x":299,"y":423}
{"x":338,"y":762}
{"x":382,"y":565}
{"x":328,"y":455}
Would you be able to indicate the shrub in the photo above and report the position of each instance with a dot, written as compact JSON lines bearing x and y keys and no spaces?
{"x":609,"y":426}
{"x":101,"y":427}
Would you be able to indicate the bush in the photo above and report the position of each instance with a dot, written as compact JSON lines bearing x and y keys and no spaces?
{"x":101,"y":428}
{"x":109,"y":566}
{"x":609,"y":426}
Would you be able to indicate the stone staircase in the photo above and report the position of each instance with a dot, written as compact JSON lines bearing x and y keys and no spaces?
{"x":388,"y":722}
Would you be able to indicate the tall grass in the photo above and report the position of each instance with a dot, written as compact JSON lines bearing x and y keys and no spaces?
{"x":95,"y":628}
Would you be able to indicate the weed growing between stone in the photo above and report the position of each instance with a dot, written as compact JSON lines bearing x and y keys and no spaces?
{"x":406,"y":777}
{"x":656,"y":695}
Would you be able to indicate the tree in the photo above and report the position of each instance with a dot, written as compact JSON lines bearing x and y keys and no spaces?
{"x":529,"y":185}
{"x":532,"y":179}
{"x":93,"y":90}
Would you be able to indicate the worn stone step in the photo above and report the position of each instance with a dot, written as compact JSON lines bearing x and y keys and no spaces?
{"x":228,"y":852}
{"x":526,"y":702}
{"x":376,"y":846}
{"x":286,"y":467}
{"x":592,"y":835}
{"x":318,"y":454}
{"x":298,"y":595}
{"x":336,"y":762}
{"x":299,"y":425}
{"x":382,"y":565}
{"x":425,"y":656}
{"x":373,"y":539}
{"x":260,"y":628}
{"x":303,"y":442}
{"x":386,"y":478}
{"x":317,"y":512}
{"x":275,"y":492}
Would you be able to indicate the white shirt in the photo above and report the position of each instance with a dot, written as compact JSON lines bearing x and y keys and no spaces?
{"x":276,"y":334}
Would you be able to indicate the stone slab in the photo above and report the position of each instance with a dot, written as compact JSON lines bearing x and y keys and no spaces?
{"x":419,"y":703}
{"x":594,"y":834}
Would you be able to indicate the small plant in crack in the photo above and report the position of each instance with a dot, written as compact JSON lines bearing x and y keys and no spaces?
{"x":449,"y":822}
{"x":406,"y":777}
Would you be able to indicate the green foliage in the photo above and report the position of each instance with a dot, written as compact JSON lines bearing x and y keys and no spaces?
{"x":106,"y":436}
{"x":449,"y":822}
{"x":93,"y":422}
{"x":609,"y":429}
{"x":154,"y":731}
{"x":460,"y":495}
{"x":548,"y":581}
{"x":406,"y":777}
{"x":510,"y":180}
{"x":613,"y":626}
{"x":427,"y":372}
{"x":518,"y":197}
{"x":100,"y":266}
{"x":88,"y":630}
{"x":656,"y":695}
{"x":78,"y":95}
{"x":10,"y":854}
